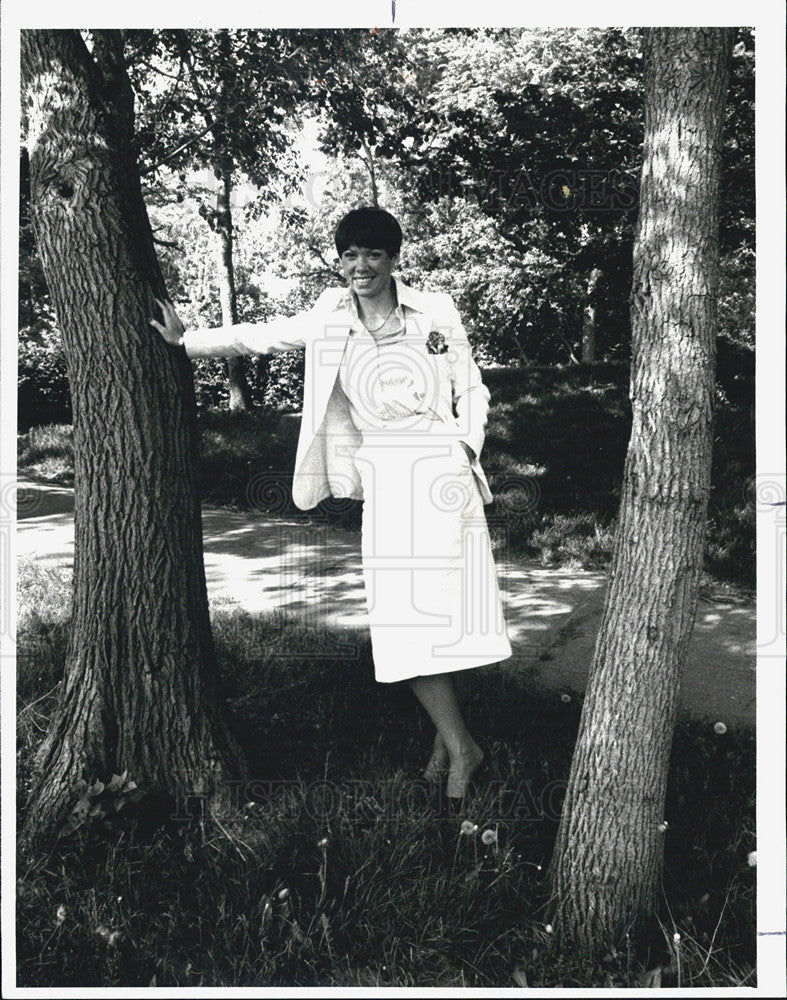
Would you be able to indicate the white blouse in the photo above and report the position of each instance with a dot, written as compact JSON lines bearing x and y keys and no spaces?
{"x":388,"y":380}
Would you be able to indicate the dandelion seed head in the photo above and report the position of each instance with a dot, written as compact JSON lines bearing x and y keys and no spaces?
{"x":565,"y":697}
{"x":109,"y":936}
{"x":489,"y":837}
{"x":720,"y":728}
{"x":467,"y":829}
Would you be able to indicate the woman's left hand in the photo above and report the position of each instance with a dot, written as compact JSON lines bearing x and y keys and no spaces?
{"x":171,"y":329}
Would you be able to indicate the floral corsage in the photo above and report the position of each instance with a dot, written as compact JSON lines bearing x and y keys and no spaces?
{"x":435,"y":343}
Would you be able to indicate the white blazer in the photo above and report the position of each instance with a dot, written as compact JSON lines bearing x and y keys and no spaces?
{"x":328,"y":438}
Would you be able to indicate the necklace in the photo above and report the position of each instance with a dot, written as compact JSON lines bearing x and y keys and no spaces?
{"x":390,"y":312}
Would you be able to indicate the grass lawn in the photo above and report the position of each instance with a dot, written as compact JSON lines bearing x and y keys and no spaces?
{"x":336,"y":866}
{"x":554,"y":452}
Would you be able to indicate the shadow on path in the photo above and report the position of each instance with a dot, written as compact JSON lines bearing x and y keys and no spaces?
{"x":312,"y":569}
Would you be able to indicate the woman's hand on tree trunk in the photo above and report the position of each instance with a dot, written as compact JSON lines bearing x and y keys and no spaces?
{"x":172,"y":329}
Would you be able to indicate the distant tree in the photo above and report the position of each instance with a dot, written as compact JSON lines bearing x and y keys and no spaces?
{"x":737,"y":207}
{"x":224,"y":100}
{"x":139,"y":697}
{"x":42,"y":379}
{"x":367,"y":90}
{"x":540,"y":129}
{"x":606,"y":868}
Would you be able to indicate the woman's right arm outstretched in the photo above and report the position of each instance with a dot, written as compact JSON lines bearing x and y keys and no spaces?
{"x":279,"y":334}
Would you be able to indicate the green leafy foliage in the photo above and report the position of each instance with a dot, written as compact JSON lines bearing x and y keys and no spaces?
{"x":204,"y":96}
{"x":511,"y":157}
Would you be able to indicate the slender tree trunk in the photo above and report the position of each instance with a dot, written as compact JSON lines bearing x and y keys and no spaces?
{"x":139,"y":692}
{"x":589,"y":319}
{"x":368,"y":160}
{"x":606,"y":868}
{"x":569,"y":347}
{"x":240,"y":396}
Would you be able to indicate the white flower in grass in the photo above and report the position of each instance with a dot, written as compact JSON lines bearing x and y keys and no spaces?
{"x":323,"y":843}
{"x":752,"y":859}
{"x":489,"y":837}
{"x":284,"y":893}
{"x":60,"y":914}
{"x":111,"y":937}
{"x":720,"y":728}
{"x":676,"y":937}
{"x":467,"y":829}
{"x":548,"y":928}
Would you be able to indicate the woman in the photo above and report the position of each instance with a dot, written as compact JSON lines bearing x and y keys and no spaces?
{"x":394,"y":414}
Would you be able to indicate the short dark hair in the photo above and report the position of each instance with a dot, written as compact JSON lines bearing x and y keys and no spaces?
{"x":373,"y":228}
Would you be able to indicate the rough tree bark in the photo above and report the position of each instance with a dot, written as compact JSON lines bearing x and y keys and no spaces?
{"x":606,"y":869}
{"x":139,"y":692}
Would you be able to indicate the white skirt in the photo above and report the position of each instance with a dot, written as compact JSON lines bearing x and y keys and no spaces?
{"x":431,"y":585}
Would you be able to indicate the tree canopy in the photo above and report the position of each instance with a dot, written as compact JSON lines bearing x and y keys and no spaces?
{"x":511,"y":157}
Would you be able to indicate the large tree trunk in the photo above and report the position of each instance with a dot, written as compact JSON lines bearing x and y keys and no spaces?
{"x":240,"y":397}
{"x":140,"y":691}
{"x":606,"y":868}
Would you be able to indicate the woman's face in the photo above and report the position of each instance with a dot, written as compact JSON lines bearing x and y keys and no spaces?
{"x":368,"y":272}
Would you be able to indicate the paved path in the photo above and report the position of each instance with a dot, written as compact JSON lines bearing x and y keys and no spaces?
{"x":258,"y":563}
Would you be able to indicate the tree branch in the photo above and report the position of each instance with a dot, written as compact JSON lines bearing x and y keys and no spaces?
{"x":318,"y":253}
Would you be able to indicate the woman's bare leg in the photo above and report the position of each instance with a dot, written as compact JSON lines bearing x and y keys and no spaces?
{"x":437,"y":768}
{"x":436,"y":694}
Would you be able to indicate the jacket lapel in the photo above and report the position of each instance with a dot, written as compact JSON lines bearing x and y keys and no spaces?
{"x":323,"y":362}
